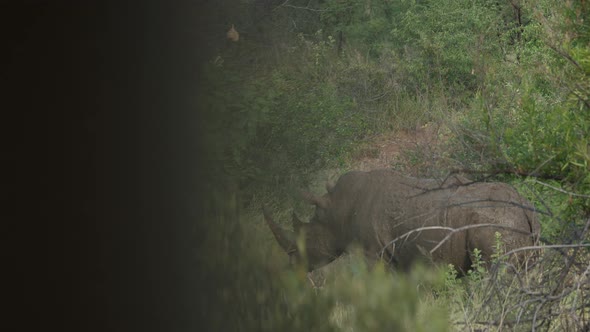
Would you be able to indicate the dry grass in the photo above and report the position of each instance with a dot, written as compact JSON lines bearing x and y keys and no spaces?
{"x":418,"y":152}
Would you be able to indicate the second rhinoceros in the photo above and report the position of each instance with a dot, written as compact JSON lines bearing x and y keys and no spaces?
{"x":400,"y":219}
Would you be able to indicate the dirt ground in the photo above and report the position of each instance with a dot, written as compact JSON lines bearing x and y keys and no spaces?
{"x":415,"y":152}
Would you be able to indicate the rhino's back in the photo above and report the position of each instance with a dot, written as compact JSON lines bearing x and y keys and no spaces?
{"x":391,"y":205}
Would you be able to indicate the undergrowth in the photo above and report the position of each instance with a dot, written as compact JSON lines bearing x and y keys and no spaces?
{"x":513,"y":98}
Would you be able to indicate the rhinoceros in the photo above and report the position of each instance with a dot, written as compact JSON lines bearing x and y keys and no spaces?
{"x":402,"y":219}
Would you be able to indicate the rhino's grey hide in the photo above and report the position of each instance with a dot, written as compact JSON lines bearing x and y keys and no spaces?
{"x":384,"y":211}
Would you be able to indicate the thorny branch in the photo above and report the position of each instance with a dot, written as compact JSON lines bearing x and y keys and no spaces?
{"x":533,"y":300}
{"x":451,"y":230}
{"x":560,"y":190}
{"x":307,"y":7}
{"x":549,"y":295}
{"x":554,"y":296}
{"x":508,"y":171}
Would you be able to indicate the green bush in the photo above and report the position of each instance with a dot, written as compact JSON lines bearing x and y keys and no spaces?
{"x":280,"y":122}
{"x":284,"y":103}
{"x":248,"y":285}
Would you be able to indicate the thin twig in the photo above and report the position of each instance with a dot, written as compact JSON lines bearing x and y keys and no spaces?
{"x":460,"y":229}
{"x":285,"y":4}
{"x":552,"y":246}
{"x":560,"y":190}
{"x":451,"y":230}
{"x":534,"y":174}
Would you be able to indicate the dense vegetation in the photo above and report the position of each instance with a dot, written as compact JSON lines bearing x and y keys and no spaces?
{"x":309,"y":82}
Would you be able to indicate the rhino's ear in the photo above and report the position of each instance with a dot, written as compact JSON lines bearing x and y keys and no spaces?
{"x":321,"y":202}
{"x":296,"y":223}
{"x":329,"y":186}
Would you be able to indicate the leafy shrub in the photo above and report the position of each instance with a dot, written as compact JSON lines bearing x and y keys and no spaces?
{"x":282,"y":121}
{"x":249,"y":287}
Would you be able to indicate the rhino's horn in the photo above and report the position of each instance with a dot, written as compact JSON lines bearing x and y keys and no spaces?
{"x":321,"y":202}
{"x":278,"y":232}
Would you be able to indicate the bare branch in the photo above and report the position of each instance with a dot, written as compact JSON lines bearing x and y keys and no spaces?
{"x":498,"y":201}
{"x":559,"y":189}
{"x":509,"y":171}
{"x":553,"y":246}
{"x":565,"y":55}
{"x":451,"y":230}
{"x":460,"y":229}
{"x":287,"y":5}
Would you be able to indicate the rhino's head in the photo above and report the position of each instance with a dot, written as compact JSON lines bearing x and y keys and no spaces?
{"x":322,"y":213}
{"x":312,"y":243}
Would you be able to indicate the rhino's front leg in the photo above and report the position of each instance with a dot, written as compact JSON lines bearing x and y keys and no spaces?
{"x":375,"y":254}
